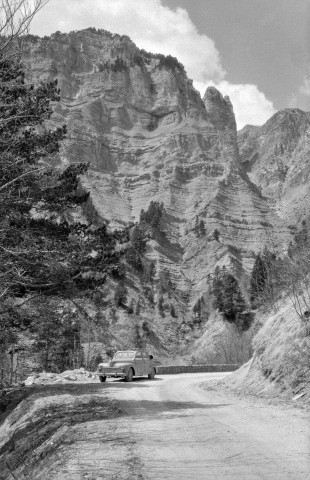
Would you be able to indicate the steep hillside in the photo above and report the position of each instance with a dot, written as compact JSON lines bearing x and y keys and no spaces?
{"x":149,"y":136}
{"x":280,"y":361}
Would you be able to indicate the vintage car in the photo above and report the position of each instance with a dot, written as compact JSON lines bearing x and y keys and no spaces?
{"x":127,"y":364}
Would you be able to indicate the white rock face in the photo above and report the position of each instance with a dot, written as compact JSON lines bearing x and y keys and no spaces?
{"x":149,"y":136}
{"x":277,"y":158}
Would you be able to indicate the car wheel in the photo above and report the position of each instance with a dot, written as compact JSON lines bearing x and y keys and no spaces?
{"x":102,"y":379}
{"x":152,"y":374}
{"x":129,"y":375}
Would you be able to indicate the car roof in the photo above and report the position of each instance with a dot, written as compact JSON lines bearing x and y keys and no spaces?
{"x":128,"y":351}
{"x":131,"y":351}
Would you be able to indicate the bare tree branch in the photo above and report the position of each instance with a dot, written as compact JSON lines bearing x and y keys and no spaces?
{"x":3,"y":187}
{"x":15,"y":19}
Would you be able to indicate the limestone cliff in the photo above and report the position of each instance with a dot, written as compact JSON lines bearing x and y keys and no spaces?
{"x":148,"y":135}
{"x":276,"y":157}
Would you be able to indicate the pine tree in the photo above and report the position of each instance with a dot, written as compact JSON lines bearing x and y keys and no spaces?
{"x":120,"y":295}
{"x":196,"y":226}
{"x":232,"y":298}
{"x":165,"y":284}
{"x":153,"y":214}
{"x":138,"y":240}
{"x":57,"y":341}
{"x":31,"y":257}
{"x":197,"y":309}
{"x":216,"y":235}
{"x":262,"y":281}
{"x":138,"y":307}
{"x":258,"y":281}
{"x":152,"y":272}
{"x":228,"y":298}
{"x":130,"y":308}
{"x":160,"y":304}
{"x":202,"y":227}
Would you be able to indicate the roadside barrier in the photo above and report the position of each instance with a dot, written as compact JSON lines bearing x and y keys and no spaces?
{"x":170,"y":369}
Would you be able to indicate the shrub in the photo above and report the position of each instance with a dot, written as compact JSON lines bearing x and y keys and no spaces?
{"x":169,"y":62}
{"x":102,"y":66}
{"x":119,"y":65}
{"x":146,"y":328}
{"x":138,"y":60}
{"x":138,"y":338}
{"x":216,"y":234}
{"x":152,"y":88}
{"x":149,"y":272}
{"x":165,"y":284}
{"x":118,"y":271}
{"x":149,"y":295}
{"x":134,"y":259}
{"x":110,"y":352}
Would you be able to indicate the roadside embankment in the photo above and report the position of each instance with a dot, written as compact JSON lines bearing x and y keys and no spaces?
{"x":36,"y":424}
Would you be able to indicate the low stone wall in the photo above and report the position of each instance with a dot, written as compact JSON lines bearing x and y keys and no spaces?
{"x":170,"y":369}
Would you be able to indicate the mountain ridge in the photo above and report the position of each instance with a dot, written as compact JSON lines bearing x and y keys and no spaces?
{"x":150,"y":137}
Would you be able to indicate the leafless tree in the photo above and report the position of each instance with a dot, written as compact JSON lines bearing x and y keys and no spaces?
{"x":291,"y":273}
{"x":294,"y":275}
{"x":15,"y":19}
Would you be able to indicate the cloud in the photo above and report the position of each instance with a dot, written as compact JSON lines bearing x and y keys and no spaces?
{"x":158,"y":29}
{"x":250,"y":105}
{"x":305,"y":86}
{"x":300,"y":98}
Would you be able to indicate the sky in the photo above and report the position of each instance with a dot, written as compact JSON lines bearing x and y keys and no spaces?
{"x":255,"y":51}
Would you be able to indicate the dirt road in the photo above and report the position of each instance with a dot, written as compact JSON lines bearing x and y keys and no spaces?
{"x":171,"y":428}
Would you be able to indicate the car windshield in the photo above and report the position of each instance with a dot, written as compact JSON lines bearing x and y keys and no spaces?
{"x":124,"y":355}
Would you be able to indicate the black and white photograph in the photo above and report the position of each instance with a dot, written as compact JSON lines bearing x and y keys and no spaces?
{"x":154,"y":239}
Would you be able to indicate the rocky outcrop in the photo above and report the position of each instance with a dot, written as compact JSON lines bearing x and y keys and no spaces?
{"x":149,"y":136}
{"x":220,"y":109}
{"x":276,"y":157}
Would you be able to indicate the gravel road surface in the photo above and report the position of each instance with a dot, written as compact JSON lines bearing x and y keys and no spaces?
{"x":171,"y":428}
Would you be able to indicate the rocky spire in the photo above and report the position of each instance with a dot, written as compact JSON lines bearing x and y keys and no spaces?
{"x":220,"y":109}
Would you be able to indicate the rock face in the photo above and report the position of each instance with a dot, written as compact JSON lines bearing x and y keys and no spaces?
{"x":220,"y":109}
{"x":276,"y":157}
{"x":148,"y":135}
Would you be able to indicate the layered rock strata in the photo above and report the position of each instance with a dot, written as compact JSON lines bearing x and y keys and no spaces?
{"x":277,"y":159}
{"x":148,"y":135}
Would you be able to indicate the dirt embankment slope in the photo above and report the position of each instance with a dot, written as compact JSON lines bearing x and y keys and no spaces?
{"x":280,"y":365}
{"x":37,"y":421}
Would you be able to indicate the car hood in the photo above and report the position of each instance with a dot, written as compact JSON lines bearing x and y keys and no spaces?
{"x":115,"y":364}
